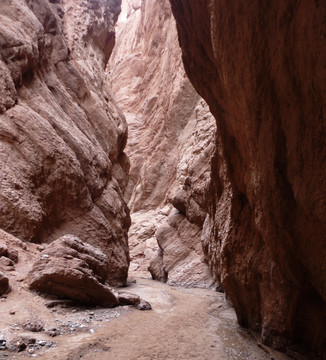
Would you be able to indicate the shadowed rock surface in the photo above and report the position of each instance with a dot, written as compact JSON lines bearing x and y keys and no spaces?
{"x":67,"y":268}
{"x":4,"y":284}
{"x":261,"y":68}
{"x":62,"y":165}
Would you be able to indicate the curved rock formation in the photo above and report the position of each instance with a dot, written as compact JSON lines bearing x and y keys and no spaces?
{"x":62,"y":136}
{"x":261,"y":68}
{"x":170,"y":135}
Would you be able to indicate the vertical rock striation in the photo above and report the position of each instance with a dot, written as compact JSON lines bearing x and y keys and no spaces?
{"x":62,"y":136}
{"x":261,"y":68}
{"x":170,"y":144}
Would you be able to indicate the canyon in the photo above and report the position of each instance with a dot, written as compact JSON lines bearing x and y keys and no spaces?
{"x":171,"y":135}
{"x":173,"y":139}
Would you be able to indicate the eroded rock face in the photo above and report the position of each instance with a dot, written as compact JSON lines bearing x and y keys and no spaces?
{"x":170,"y":135}
{"x":62,"y":136}
{"x":69,"y":268}
{"x":180,"y":260}
{"x":261,"y":70}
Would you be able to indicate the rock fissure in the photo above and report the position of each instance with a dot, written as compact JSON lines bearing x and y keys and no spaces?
{"x":170,"y":129}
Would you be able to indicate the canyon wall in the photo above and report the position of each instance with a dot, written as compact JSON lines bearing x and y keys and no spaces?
{"x":261,"y":68}
{"x":170,"y":145}
{"x":62,"y":165}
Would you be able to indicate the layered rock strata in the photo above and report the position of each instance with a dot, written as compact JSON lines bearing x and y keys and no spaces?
{"x":170,"y":134}
{"x":62,"y":136}
{"x":261,"y":68}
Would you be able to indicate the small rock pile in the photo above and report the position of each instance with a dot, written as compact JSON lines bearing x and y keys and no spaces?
{"x":21,"y":343}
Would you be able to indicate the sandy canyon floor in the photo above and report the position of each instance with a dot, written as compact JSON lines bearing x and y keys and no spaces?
{"x":183,"y":324}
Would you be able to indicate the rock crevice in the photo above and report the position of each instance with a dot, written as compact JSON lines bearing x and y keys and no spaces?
{"x":170,"y":134}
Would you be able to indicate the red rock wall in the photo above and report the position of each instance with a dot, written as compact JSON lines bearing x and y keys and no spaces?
{"x":169,"y":143}
{"x":62,"y":165}
{"x":261,"y":67}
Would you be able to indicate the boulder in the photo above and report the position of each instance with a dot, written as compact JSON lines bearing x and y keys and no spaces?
{"x":33,"y":324}
{"x":4,"y":284}
{"x":3,"y":249}
{"x":69,"y":268}
{"x":12,"y":254}
{"x":156,"y":267}
{"x":6,"y":263}
{"x":143,"y":305}
{"x":127,"y":298}
{"x":19,"y":343}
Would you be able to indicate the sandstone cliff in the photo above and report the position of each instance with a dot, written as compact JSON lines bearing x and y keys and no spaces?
{"x":62,"y":165}
{"x":261,"y":68}
{"x":170,"y":144}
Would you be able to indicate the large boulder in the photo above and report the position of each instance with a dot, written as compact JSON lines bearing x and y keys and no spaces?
{"x":69,"y":268}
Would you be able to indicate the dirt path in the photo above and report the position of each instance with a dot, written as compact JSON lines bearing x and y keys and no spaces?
{"x":184,"y":324}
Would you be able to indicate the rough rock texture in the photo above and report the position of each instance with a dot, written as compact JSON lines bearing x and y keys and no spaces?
{"x":6,"y":249}
{"x":180,"y":259}
{"x":261,"y":68}
{"x":69,"y":268}
{"x":170,"y":129}
{"x":62,"y":165}
{"x":33,"y":324}
{"x":9,"y":256}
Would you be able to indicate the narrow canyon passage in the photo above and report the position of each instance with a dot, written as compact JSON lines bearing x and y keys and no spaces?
{"x":171,"y":136}
{"x":167,"y":156}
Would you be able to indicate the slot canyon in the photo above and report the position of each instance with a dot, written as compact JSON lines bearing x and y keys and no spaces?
{"x":162,"y":188}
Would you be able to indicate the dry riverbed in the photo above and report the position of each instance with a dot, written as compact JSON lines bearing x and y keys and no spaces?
{"x":184,"y":324}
